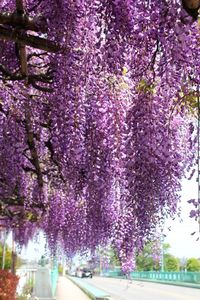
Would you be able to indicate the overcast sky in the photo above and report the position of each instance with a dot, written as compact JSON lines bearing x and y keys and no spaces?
{"x":183,"y":244}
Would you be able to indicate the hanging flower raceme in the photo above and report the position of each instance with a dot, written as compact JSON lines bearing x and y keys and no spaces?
{"x":94,"y":145}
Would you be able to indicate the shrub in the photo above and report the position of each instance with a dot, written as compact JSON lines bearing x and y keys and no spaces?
{"x":8,"y":285}
{"x":60,"y":269}
{"x":193,"y":265}
{"x":7,"y":258}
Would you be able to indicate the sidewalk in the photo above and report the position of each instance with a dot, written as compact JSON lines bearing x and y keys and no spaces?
{"x":66,"y":290}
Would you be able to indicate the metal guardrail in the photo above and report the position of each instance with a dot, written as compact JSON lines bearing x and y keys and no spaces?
{"x":190,"y":277}
{"x":54,"y":279}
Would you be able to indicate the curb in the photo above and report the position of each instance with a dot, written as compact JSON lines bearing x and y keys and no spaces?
{"x":88,"y":289}
{"x":176,"y":283}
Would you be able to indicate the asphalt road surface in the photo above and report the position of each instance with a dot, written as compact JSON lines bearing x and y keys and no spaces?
{"x":121,"y":289}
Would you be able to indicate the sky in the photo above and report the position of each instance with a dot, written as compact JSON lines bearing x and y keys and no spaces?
{"x":182,"y":243}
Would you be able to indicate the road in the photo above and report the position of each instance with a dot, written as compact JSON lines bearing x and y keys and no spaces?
{"x":121,"y":289}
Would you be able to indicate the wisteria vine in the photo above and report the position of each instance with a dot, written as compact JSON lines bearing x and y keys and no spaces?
{"x":95,"y":140}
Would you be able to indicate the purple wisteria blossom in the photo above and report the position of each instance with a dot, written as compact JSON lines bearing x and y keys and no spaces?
{"x":99,"y":156}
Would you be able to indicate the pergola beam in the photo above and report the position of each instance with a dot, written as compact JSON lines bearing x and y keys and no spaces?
{"x":20,"y":6}
{"x":13,"y":27}
{"x":192,"y":4}
{"x":28,"y":40}
{"x":23,"y":21}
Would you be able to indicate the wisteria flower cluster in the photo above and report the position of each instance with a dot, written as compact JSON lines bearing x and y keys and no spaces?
{"x":100,"y":155}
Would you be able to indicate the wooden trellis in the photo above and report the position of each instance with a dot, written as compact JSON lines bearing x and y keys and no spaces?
{"x":14,"y":27}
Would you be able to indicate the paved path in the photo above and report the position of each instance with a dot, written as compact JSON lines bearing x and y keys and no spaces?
{"x":66,"y":290}
{"x":121,"y":289}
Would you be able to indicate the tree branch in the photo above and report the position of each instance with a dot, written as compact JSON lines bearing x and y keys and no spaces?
{"x":192,"y":4}
{"x":34,"y":54}
{"x":20,"y":6}
{"x":8,"y":74}
{"x":31,"y":79}
{"x":32,"y":148}
{"x":49,"y":146}
{"x":41,"y":88}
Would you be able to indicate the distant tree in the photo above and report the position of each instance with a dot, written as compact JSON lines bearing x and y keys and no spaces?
{"x":193,"y":265}
{"x":166,"y":247}
{"x":145,"y":261}
{"x":60,"y":269}
{"x":148,"y":260}
{"x":107,"y":256}
{"x":8,"y":258}
{"x":114,"y":259}
{"x":171,"y":263}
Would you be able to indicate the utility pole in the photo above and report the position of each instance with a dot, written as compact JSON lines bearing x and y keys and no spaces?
{"x":162,"y":258}
{"x":162,"y":253}
{"x":100,"y":262}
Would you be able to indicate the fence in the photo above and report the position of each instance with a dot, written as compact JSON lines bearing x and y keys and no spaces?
{"x":54,"y":279}
{"x":190,"y":277}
